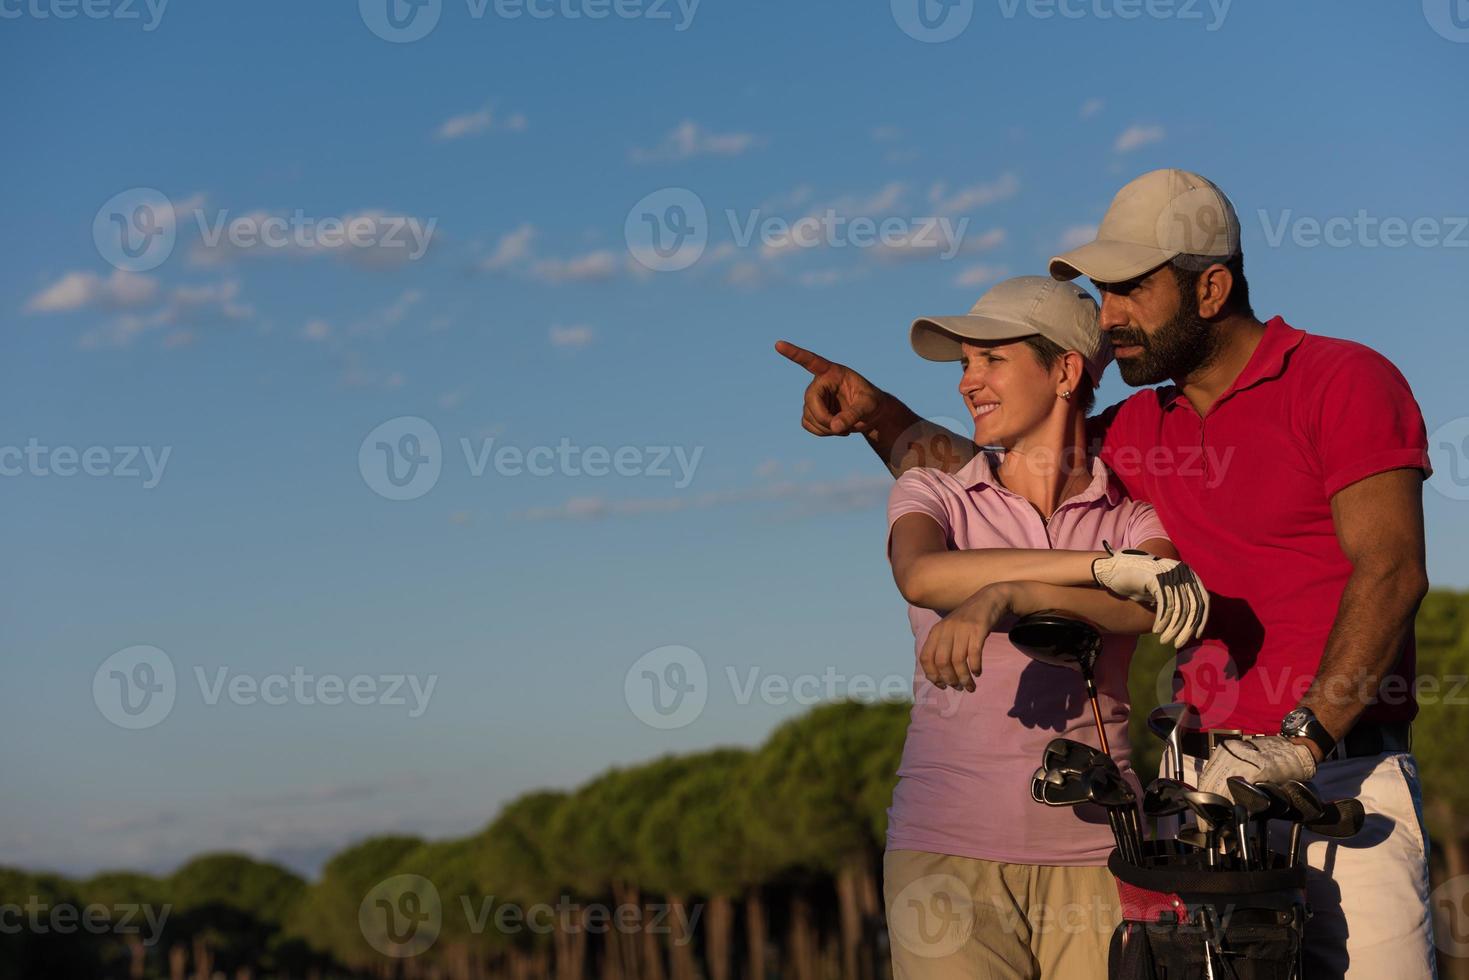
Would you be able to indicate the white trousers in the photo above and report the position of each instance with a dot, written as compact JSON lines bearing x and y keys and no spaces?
{"x":1370,"y":917}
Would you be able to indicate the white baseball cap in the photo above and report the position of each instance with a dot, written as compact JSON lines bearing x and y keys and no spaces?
{"x":1156,"y":218}
{"x":1024,"y":306}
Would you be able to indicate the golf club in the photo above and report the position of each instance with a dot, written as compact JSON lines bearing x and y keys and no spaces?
{"x":1169,"y":722}
{"x":1069,"y":754}
{"x":1213,"y":812}
{"x":1251,"y":804}
{"x":1064,"y":642}
{"x":1106,"y":788}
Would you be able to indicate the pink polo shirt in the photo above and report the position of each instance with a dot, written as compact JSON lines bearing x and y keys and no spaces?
{"x":964,"y":783}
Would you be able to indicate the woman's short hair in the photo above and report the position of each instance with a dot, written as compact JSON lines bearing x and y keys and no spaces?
{"x":1048,"y":352}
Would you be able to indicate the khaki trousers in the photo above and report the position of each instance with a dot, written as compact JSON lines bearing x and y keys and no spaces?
{"x":956,"y":918}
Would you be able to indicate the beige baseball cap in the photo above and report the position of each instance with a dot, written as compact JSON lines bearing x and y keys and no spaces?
{"x":1154,"y":219}
{"x":1024,"y":306}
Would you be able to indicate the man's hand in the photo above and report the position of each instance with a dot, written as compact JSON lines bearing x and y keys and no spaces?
{"x":1170,"y":586}
{"x":1267,"y":759}
{"x":952,"y":651}
{"x":839,"y":401}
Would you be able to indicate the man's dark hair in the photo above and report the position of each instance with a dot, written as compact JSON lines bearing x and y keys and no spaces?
{"x":1188,"y":268}
{"x":1048,"y":352}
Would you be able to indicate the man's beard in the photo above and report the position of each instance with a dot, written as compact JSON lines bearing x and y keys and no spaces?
{"x":1175,"y":350}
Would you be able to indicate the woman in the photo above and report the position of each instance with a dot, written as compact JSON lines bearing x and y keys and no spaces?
{"x":982,"y":881}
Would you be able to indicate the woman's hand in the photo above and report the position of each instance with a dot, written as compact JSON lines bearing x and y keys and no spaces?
{"x":952,"y":653}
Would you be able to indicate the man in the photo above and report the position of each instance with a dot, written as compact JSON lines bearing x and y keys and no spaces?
{"x":1287,"y":469}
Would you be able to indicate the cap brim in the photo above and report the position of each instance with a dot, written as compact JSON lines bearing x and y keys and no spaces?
{"x":937,"y":338}
{"x":1106,"y":261}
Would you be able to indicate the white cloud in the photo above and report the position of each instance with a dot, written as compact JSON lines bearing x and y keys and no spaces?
{"x":601,"y":264}
{"x":1077,"y":236}
{"x":510,"y":249}
{"x":1091,"y":107}
{"x":978,"y":275}
{"x":975,"y":196}
{"x":572,"y":337}
{"x":182,"y":306}
{"x":1137,"y":135}
{"x":317,"y":330}
{"x":87,"y":290}
{"x":456,"y":127}
{"x":370,"y":238}
{"x":689,"y":139}
{"x":479,"y":121}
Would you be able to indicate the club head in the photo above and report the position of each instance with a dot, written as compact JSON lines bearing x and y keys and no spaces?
{"x":1058,"y":640}
{"x":1061,"y":788}
{"x":1255,"y":801}
{"x":1339,"y":819}
{"x":1074,"y":756}
{"x":1037,"y":781}
{"x":1213,"y":810}
{"x":1281,"y":807}
{"x":1304,"y":799}
{"x":1106,"y":787}
{"x":1193,"y":837}
{"x":1163,"y":719}
{"x":1164,"y":797}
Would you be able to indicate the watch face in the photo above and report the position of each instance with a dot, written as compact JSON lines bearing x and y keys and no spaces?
{"x":1296,"y":720}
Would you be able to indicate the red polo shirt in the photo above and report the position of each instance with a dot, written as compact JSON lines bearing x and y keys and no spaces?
{"x":1245,"y":493}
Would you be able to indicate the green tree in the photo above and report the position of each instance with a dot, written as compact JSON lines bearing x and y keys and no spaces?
{"x":513,"y":859}
{"x":327,"y":915}
{"x":136,"y":902}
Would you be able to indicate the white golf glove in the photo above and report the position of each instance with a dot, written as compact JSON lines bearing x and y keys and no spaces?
{"x":1267,"y":759}
{"x":1170,"y":586}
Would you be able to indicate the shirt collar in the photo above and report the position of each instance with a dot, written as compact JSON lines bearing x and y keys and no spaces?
{"x":979,"y":473}
{"x":1265,"y":364}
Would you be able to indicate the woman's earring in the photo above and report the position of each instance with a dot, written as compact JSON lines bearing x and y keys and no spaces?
{"x":1066,"y":394}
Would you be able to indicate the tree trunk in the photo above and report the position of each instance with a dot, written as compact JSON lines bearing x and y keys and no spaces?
{"x":803,"y":953}
{"x":873,"y":920}
{"x":178,"y":962}
{"x":755,"y":933}
{"x":137,"y":958}
{"x":718,"y":923}
{"x":652,"y":952}
{"x":681,"y":939}
{"x":849,"y":905}
{"x":203,"y":959}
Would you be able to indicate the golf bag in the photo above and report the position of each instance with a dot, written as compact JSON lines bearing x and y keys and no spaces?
{"x":1182,"y":920}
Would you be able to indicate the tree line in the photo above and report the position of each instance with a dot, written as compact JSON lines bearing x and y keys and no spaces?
{"x":756,"y":863}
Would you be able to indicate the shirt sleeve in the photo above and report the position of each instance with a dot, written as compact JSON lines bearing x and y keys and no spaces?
{"x":917,"y":492}
{"x":1368,"y":421}
{"x":1143,"y":524}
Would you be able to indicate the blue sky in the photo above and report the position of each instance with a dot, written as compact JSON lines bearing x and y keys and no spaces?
{"x":523,"y":144}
